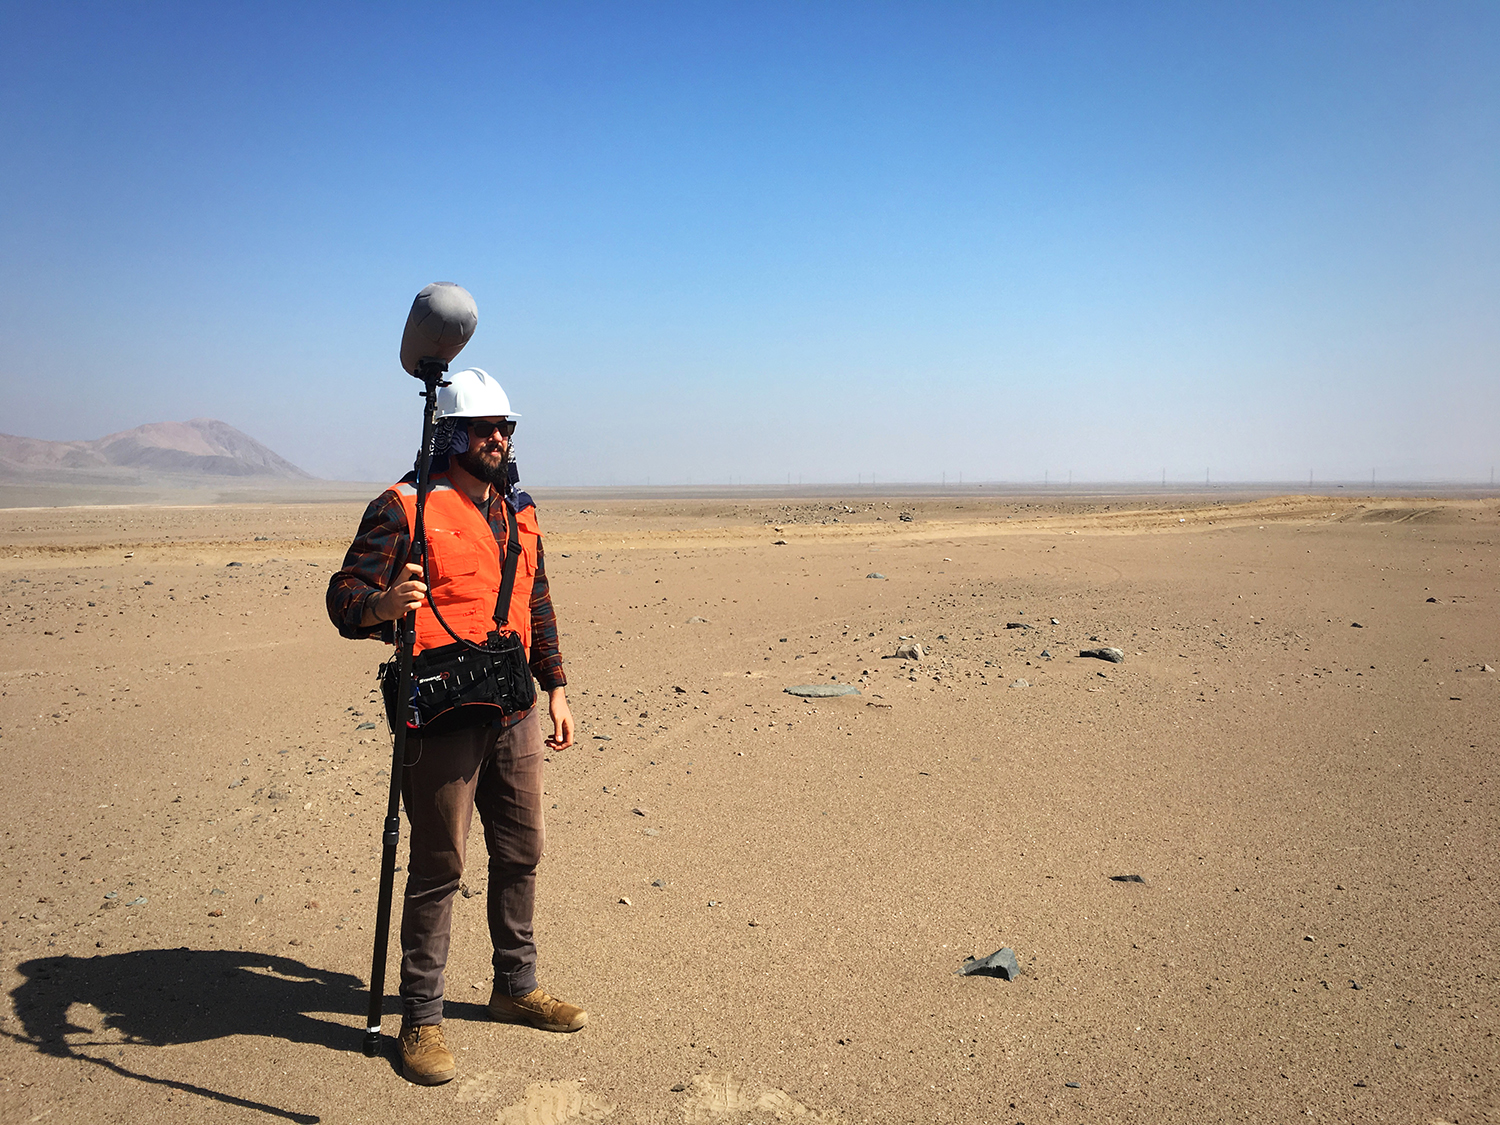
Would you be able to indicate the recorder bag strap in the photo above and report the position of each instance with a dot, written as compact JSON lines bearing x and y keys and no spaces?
{"x":508,"y":575}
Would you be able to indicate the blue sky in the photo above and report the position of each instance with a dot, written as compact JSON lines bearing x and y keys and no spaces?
{"x":733,"y":241}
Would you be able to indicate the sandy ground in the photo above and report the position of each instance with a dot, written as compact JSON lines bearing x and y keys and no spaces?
{"x":1297,"y":757}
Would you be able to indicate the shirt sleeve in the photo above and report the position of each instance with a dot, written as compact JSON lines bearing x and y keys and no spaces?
{"x":379,"y":550}
{"x":546,"y":659}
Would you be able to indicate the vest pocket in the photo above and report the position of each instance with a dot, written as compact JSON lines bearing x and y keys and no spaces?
{"x":453,"y":555}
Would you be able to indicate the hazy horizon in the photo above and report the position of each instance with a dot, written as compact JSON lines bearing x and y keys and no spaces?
{"x":740,"y":242}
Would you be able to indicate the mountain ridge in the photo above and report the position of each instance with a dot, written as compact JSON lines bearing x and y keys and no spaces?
{"x":197,"y":448}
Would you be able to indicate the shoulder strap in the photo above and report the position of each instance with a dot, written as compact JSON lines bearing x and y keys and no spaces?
{"x":508,"y":575}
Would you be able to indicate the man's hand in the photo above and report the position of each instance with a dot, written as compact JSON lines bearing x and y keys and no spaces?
{"x":562,"y":720}
{"x":405,"y":596}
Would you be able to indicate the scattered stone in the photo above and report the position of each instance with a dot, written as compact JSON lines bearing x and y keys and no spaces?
{"x":1001,"y":963}
{"x":1055,"y":621}
{"x":821,"y":691}
{"x":624,"y":901}
{"x":874,"y":574}
{"x":779,"y":543}
{"x":468,"y":891}
{"x":697,"y":621}
{"x":1400,"y":1045}
{"x":1073,"y":1085}
{"x":679,"y":1088}
{"x":365,"y":726}
{"x":650,"y":832}
{"x":111,"y":894}
{"x":216,"y":913}
{"x":1432,"y":601}
{"x":1356,"y":986}
{"x":1355,"y":625}
{"x":234,"y":564}
{"x":1127,"y":879}
{"x":1020,"y":683}
{"x":237,"y":784}
{"x":259,"y":899}
{"x":639,"y":811}
{"x":910,"y":651}
{"x":679,"y":690}
{"x":141,"y":901}
{"x":216,"y":891}
{"x":1017,"y":625}
{"x":1308,"y":937}
{"x":905,"y":517}
{"x":1046,"y":655}
{"x":605,"y":737}
{"x":1113,"y":655}
{"x":713,"y":902}
{"x":659,"y":883}
{"x":1485,"y":668}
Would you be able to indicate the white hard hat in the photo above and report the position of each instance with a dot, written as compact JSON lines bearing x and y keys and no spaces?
{"x":473,"y":394}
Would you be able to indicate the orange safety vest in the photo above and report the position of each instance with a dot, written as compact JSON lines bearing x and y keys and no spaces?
{"x":463,"y":566}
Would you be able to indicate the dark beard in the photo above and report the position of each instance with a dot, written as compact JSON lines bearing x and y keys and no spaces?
{"x":496,"y":474}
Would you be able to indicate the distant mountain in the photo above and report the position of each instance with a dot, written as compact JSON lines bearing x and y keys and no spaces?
{"x":203,"y":447}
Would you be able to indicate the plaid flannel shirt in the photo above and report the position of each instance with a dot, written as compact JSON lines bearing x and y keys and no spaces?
{"x":380,"y":550}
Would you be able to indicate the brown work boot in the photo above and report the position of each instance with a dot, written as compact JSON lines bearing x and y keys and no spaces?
{"x":425,"y":1058}
{"x":538,"y":1009}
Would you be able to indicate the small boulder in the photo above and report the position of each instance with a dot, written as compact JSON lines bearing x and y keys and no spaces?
{"x":910,"y":650}
{"x":1113,"y":655}
{"x":1001,"y":963}
{"x":821,"y":691}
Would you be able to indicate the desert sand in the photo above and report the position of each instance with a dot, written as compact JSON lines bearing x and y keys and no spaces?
{"x":1296,"y":758}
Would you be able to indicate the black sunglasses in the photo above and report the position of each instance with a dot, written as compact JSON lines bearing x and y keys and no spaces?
{"x":482,"y":429}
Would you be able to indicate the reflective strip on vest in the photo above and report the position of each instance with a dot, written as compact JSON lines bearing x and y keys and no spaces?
{"x":463,"y":566}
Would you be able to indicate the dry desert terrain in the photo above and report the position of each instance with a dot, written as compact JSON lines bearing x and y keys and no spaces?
{"x":765,"y":900}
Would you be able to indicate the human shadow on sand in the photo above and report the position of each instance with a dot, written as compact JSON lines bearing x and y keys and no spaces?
{"x":166,"y":997}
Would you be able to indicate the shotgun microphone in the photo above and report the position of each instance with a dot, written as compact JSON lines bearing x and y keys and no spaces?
{"x":442,"y":319}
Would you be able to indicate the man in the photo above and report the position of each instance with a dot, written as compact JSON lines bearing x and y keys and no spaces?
{"x":472,"y":757}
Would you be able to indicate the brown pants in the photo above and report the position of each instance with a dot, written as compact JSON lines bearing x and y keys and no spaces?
{"x":499,"y":773}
